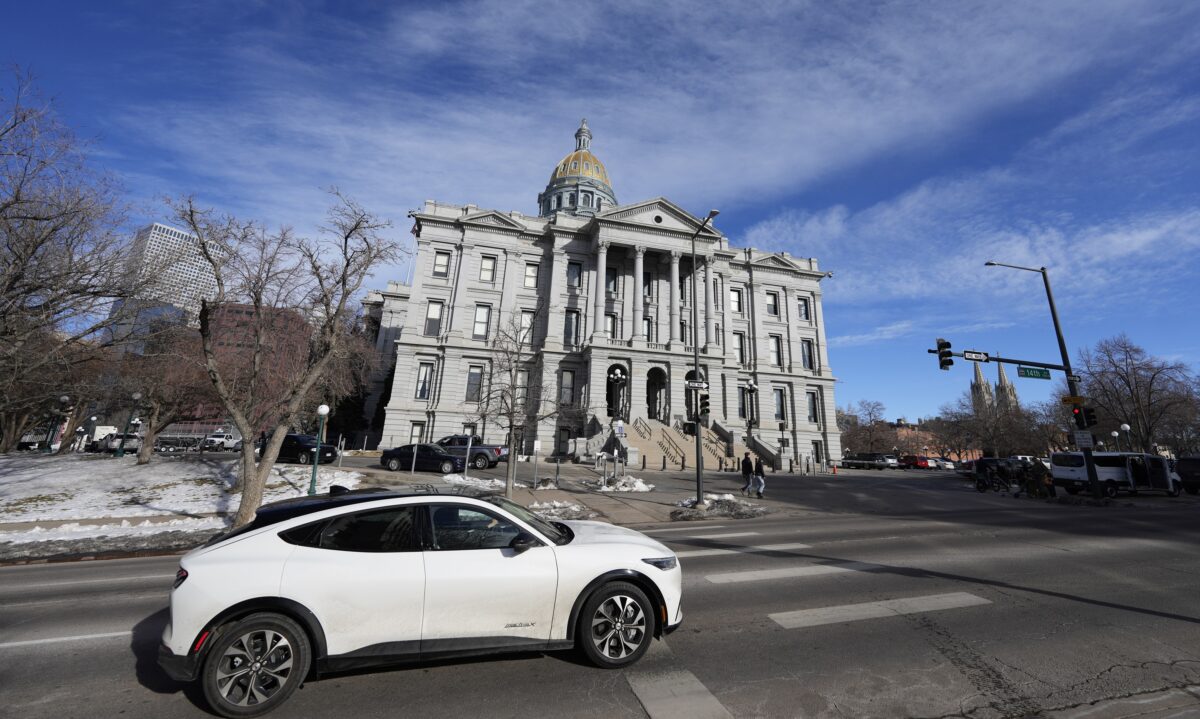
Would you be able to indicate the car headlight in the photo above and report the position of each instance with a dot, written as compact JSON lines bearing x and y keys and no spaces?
{"x":663,"y":563}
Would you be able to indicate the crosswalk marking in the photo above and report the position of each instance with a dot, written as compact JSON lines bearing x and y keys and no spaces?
{"x":667,"y":691}
{"x":740,"y":550}
{"x":685,"y":529}
{"x":809,"y":570}
{"x":727,"y":535}
{"x":874,"y":610}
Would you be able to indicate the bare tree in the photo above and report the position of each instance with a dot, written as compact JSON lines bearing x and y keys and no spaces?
{"x":1129,"y":386}
{"x":61,"y":254}
{"x":280,"y":320}
{"x":865,"y":426}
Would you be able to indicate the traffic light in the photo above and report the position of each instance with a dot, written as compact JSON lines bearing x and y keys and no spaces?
{"x":1089,"y":417}
{"x":703,"y":404}
{"x":944,"y":354}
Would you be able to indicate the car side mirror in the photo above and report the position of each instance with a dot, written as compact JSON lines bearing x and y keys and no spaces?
{"x":524,"y":541}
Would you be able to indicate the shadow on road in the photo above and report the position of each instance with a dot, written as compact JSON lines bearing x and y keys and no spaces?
{"x":147,"y":636}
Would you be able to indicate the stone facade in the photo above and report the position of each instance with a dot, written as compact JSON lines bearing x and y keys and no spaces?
{"x":609,"y":292}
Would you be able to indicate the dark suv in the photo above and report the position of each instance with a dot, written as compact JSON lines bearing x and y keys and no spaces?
{"x":1188,"y":469}
{"x":300,"y":448}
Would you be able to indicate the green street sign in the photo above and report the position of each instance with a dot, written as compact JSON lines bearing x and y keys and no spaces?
{"x":1033,"y":372}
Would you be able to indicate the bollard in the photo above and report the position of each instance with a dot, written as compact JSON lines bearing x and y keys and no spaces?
{"x":664,"y":467}
{"x":682,"y":463}
{"x":791,"y":470}
{"x":643,"y":462}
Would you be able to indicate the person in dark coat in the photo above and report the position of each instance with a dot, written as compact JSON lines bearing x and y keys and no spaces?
{"x":760,"y":476}
{"x":747,"y":473}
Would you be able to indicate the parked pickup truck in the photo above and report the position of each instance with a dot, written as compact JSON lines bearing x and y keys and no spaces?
{"x":482,"y":455}
{"x":227,"y":441}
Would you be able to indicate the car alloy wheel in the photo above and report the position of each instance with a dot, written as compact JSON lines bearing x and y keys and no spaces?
{"x":393,"y":464}
{"x":255,"y":665}
{"x":303,"y":458}
{"x":1110,"y":489}
{"x":616,"y":625}
{"x":447,"y":467}
{"x":481,"y":461}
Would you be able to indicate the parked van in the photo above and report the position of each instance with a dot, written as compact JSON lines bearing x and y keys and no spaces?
{"x":1117,"y":472}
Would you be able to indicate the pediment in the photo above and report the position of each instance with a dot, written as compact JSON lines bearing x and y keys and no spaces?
{"x":494,"y":219}
{"x":776,"y":262}
{"x":660,"y":214}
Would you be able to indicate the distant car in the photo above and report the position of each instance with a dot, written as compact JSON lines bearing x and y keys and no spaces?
{"x":300,"y":448}
{"x":892,"y":462}
{"x":864,"y":460}
{"x":944,"y":463}
{"x":222,"y":441}
{"x":912,"y":461}
{"x":430,"y":458}
{"x":133,"y":442}
{"x":482,"y":455}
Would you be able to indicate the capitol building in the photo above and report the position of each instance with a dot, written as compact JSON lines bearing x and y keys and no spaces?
{"x":602,"y":295}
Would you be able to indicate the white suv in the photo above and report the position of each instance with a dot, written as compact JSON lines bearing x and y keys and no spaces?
{"x":367,"y":577}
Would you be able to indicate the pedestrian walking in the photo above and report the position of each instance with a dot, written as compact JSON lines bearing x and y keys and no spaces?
{"x":760,"y":477}
{"x":747,"y":473}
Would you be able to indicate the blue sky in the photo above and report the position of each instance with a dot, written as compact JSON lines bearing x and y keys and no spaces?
{"x":902,"y":144}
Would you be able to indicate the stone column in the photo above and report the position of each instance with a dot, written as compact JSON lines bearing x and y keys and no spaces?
{"x":601,"y":267}
{"x":551,"y":301}
{"x":459,"y":316}
{"x":637,"y":334}
{"x":708,"y":304}
{"x":723,"y":288}
{"x":674,"y":298}
{"x":514,"y":272}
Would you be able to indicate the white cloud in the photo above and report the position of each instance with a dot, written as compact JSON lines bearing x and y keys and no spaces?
{"x":879,"y":334}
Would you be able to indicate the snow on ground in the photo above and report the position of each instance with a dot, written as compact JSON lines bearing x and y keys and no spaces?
{"x":628,"y":483}
{"x":52,"y":490}
{"x":562,"y":510}
{"x":479,"y":482}
{"x":719,"y":505}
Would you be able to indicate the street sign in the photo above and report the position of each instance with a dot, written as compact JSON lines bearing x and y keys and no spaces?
{"x":1083,"y":439}
{"x":975,"y":356}
{"x":1074,"y":378}
{"x":693,"y":384}
{"x":1033,"y":372}
{"x":1074,"y":400}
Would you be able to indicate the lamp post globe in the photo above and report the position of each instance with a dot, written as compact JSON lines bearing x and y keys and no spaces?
{"x":322,"y":411}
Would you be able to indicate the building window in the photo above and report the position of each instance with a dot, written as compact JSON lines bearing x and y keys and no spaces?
{"x":743,"y":396}
{"x":735,"y":301}
{"x":648,"y":328}
{"x":574,"y":274}
{"x":424,"y":379}
{"x":441,"y":264}
{"x":571,"y":196}
{"x":587,"y":199}
{"x":647,"y":287}
{"x":487,"y":269}
{"x":416,"y":433}
{"x":531,"y":275}
{"x":739,"y":347}
{"x":566,"y":388}
{"x":474,"y":382}
{"x":610,"y":280}
{"x":610,"y":325}
{"x":558,"y":202}
{"x":522,"y":389}
{"x":599,"y":202}
{"x":469,"y":428}
{"x":527,"y":327}
{"x":802,"y":309}
{"x":433,"y":318}
{"x":806,"y":354}
{"x":571,"y":328}
{"x":780,"y":408}
{"x":776,"y":351}
{"x":812,"y":407}
{"x":483,"y":321}
{"x":773,"y":304}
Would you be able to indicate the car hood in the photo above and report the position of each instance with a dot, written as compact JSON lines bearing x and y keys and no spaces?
{"x":605,"y":533}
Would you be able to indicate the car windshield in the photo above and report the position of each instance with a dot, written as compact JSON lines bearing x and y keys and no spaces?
{"x":557,"y":532}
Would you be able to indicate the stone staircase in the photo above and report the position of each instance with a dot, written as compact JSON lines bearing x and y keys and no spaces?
{"x":656,"y":441}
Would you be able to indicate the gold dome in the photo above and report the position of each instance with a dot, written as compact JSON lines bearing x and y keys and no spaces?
{"x":580,"y":163}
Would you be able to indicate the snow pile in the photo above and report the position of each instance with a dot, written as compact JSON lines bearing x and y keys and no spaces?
{"x":719,"y":505}
{"x":74,"y":530}
{"x":561,"y":510}
{"x":481,"y":482}
{"x":628,"y":483}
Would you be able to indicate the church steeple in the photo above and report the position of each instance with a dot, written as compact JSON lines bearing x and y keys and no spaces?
{"x":981,"y":391}
{"x":1006,"y":393}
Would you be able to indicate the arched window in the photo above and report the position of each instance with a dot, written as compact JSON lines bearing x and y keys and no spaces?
{"x":598,"y":202}
{"x":557,"y":201}
{"x":587,"y":199}
{"x":571,"y":199}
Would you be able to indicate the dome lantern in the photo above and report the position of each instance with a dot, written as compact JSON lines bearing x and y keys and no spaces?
{"x":579,"y":185}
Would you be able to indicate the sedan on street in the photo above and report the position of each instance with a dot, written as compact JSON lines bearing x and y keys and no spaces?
{"x":360,"y":578}
{"x":430,"y":458}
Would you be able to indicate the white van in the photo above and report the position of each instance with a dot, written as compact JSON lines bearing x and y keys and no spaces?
{"x":1117,"y":472}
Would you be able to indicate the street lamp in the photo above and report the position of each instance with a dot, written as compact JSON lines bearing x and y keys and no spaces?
{"x":1117,"y":439}
{"x":137,"y":397}
{"x":321,"y":412}
{"x":618,"y":379}
{"x":54,"y":413}
{"x":700,"y":504}
{"x":1072,"y":383}
{"x":1128,"y":439}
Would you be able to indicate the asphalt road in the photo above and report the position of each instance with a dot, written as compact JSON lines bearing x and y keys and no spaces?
{"x":894,"y":594}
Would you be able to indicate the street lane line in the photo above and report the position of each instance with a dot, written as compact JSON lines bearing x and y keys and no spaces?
{"x":740,"y":550}
{"x":668,"y":692}
{"x":55,"y":640}
{"x":45,"y":585}
{"x":875,"y":610}
{"x":686,"y":529}
{"x":723,"y":536}
{"x":810,"y":570}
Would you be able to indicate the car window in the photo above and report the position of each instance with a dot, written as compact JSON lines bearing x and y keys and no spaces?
{"x":458,"y":528}
{"x":382,"y":530}
{"x":1067,"y":460}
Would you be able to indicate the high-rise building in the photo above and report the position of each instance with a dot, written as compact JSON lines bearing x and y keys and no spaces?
{"x":606,"y":290}
{"x":169,"y":264}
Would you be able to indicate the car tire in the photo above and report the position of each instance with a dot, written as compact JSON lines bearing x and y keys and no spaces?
{"x":446,"y":467}
{"x":616,"y":625}
{"x":1110,"y":490}
{"x":480,"y":461}
{"x":393,"y":464}
{"x":302,"y":458}
{"x":255,"y":665}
